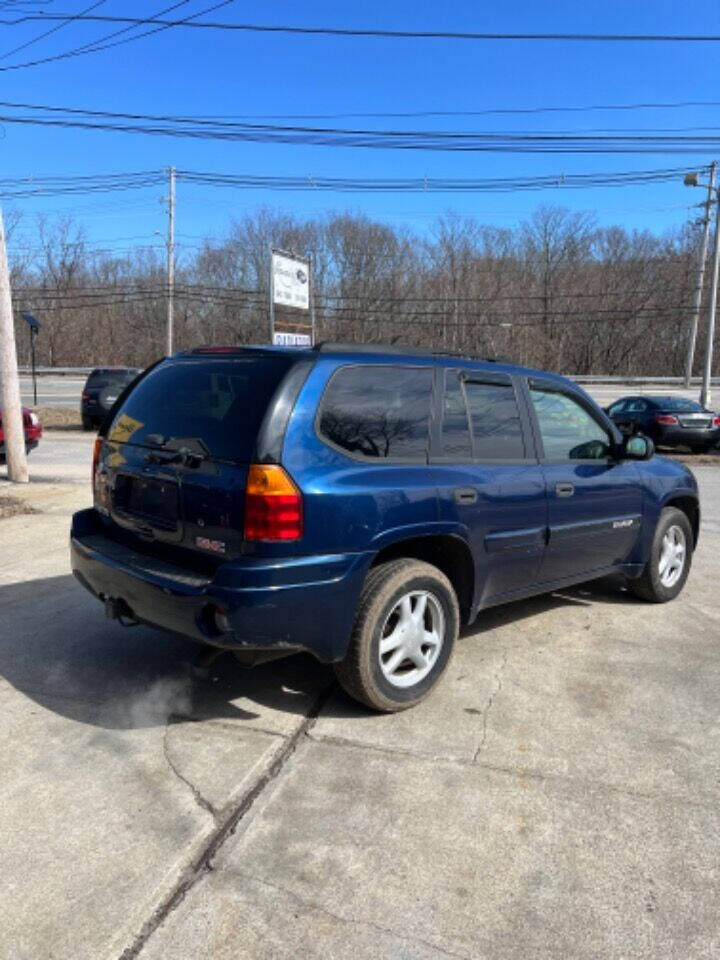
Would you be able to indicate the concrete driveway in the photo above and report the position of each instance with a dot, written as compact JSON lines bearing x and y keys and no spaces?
{"x":556,"y":798}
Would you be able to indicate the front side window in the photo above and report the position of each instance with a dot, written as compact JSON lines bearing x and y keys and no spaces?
{"x":378,"y":412}
{"x":618,"y":407}
{"x":568,"y":431}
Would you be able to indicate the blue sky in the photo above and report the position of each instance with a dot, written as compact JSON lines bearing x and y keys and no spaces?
{"x":234,"y":74}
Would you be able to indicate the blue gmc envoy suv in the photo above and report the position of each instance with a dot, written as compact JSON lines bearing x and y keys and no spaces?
{"x":360,"y":503}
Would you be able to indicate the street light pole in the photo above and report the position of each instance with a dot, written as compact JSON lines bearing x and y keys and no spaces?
{"x":697,"y":296}
{"x":707,"y":369}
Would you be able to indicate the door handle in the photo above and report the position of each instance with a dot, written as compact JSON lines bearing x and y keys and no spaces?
{"x":564,"y":489}
{"x":465,"y":495}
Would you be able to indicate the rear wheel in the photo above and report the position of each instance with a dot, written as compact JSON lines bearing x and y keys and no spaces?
{"x":667,"y":569}
{"x":87,"y":422}
{"x":701,"y":448}
{"x":405,"y":629}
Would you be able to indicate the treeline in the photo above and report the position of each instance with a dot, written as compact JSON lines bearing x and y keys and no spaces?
{"x":557,"y":291}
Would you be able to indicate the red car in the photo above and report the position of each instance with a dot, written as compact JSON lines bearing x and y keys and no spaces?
{"x":33,"y":432}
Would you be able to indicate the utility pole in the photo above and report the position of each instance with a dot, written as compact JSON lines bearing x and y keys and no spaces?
{"x":11,"y":406}
{"x":697,"y":297}
{"x":171,"y":262}
{"x":707,"y":369}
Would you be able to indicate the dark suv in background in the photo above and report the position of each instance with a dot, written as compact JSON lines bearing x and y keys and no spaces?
{"x":102,"y":388}
{"x":360,"y":503}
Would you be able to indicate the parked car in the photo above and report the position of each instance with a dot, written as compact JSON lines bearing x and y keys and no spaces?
{"x":102,"y":388}
{"x":360,"y":503}
{"x":669,"y":421}
{"x":33,"y":432}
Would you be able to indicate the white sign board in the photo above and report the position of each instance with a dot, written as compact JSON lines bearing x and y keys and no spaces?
{"x":291,"y":339}
{"x":290,"y":282}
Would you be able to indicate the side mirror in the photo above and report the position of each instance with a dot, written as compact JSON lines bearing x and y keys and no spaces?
{"x":638,"y":447}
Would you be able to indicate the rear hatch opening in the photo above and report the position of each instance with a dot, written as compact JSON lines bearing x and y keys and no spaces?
{"x":172,"y":467}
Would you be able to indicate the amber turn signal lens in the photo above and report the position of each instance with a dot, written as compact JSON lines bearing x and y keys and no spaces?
{"x":273,"y":504}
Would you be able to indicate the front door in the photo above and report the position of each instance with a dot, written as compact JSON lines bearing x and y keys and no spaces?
{"x":594,"y":500}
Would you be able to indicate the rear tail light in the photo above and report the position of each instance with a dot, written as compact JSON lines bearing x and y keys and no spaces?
{"x":97,"y":446}
{"x":666,"y":418}
{"x":85,"y":395}
{"x":716,"y":421}
{"x":273,"y":505}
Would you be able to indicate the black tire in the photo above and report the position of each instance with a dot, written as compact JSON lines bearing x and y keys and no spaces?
{"x":386,"y":588}
{"x":87,"y":423}
{"x":701,"y":448}
{"x":649,"y":585}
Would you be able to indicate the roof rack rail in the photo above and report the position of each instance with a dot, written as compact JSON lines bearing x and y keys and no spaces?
{"x":328,"y":346}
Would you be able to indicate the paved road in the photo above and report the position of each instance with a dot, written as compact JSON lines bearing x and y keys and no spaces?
{"x":65,"y":391}
{"x":557,"y":797}
{"x":53,"y":391}
{"x":62,"y":456}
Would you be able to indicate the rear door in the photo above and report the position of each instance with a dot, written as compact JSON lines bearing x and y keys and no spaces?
{"x":489,"y":479}
{"x":175,"y":457}
{"x":594,"y":500}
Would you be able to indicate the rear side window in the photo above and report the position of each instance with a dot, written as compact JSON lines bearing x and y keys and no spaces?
{"x":212,"y":407}
{"x":378,"y":412}
{"x":481,"y":420}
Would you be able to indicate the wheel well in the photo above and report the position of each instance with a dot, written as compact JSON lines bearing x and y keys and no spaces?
{"x":449,"y":554}
{"x":689,"y":507}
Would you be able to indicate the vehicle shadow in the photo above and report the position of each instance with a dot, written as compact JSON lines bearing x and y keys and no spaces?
{"x":58,"y":650}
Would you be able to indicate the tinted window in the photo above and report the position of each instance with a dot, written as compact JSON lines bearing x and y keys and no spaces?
{"x":677,"y":404}
{"x":568,"y":431}
{"x":106,"y":378}
{"x":209,"y":406}
{"x":378,"y":412}
{"x":497,"y":434}
{"x":637,"y":406}
{"x":618,"y":407}
{"x":456,"y":440}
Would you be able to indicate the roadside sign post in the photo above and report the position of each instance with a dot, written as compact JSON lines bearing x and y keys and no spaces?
{"x":291,"y":286}
{"x":34,"y":325}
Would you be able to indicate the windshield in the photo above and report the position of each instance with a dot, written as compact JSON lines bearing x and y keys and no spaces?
{"x":677,"y":404}
{"x":211,"y":407}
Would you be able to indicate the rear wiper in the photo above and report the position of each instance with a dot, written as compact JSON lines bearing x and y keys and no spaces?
{"x":181,"y":454}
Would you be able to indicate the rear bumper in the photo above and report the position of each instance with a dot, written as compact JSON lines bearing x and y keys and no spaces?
{"x":294,"y":603}
{"x":685,"y":436}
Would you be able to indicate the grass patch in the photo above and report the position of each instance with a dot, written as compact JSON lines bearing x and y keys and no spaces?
{"x":14,"y":506}
{"x":59,"y":418}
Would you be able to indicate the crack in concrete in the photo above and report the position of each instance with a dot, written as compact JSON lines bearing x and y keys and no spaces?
{"x":519,"y":773}
{"x":201,"y":801}
{"x":225,"y":825}
{"x":488,"y":706}
{"x":352,"y":921}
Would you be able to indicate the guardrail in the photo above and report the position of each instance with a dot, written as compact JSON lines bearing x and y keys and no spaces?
{"x":578,"y":378}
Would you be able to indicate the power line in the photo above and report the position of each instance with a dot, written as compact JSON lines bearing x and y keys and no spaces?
{"x":47,"y":33}
{"x":96,"y":46}
{"x":19,"y":187}
{"x":448,"y":140}
{"x":499,"y":111}
{"x":389,"y":34}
